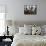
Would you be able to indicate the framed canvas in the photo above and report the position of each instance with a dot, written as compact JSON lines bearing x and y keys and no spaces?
{"x":30,"y":9}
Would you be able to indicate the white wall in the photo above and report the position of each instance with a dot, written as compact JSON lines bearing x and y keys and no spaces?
{"x":15,"y":9}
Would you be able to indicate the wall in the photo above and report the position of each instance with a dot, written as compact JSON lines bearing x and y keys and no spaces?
{"x":15,"y":9}
{"x":19,"y":13}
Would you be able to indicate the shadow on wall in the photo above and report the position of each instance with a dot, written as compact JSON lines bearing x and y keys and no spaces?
{"x":21,"y":23}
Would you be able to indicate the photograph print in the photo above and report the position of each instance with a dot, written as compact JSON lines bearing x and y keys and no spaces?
{"x":30,"y":9}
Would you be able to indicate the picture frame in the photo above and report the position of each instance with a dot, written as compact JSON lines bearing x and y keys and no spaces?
{"x":30,"y":9}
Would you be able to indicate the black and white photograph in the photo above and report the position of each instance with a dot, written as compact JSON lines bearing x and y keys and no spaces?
{"x":30,"y":9}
